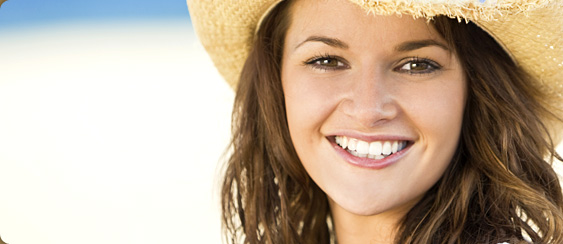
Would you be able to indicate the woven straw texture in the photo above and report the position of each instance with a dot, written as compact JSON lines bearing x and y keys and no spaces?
{"x":531,"y":31}
{"x":226,"y":29}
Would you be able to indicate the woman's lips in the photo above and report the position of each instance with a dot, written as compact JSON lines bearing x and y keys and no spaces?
{"x":376,"y":154}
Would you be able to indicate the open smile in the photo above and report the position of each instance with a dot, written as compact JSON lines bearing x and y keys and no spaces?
{"x":373,"y":154}
{"x":373,"y":150}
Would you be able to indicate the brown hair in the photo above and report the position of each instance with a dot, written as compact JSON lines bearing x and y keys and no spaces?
{"x":497,"y":185}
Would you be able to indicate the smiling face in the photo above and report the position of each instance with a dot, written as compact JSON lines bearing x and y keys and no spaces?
{"x":374,"y":104}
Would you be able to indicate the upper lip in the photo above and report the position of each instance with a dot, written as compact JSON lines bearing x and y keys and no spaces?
{"x":374,"y":137}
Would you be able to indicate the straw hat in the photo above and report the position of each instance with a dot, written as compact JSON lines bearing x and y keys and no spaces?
{"x":531,"y":31}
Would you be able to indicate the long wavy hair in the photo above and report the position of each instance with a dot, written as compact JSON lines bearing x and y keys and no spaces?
{"x":499,"y":186}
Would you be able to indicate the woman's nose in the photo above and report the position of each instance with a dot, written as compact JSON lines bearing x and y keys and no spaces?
{"x":371,"y":99}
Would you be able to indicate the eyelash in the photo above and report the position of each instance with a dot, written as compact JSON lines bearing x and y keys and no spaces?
{"x":432,"y":65}
{"x":314,"y":62}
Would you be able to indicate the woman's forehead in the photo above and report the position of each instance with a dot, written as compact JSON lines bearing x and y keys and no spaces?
{"x":343,"y":20}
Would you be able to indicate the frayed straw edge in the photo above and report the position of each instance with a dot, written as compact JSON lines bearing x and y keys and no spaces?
{"x":468,"y":11}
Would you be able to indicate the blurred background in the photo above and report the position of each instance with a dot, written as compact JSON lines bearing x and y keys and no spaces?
{"x":112,"y":124}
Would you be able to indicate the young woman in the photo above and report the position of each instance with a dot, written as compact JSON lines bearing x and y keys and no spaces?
{"x":390,"y":122}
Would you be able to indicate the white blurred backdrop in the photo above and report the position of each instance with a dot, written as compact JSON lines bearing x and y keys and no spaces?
{"x":110,"y":132}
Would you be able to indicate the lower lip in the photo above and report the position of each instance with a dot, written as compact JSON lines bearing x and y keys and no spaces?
{"x":369,"y":162}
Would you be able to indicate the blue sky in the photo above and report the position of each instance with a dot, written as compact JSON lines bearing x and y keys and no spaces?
{"x":16,"y":13}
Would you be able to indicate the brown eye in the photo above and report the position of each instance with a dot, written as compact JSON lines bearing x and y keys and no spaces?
{"x":326,"y":63}
{"x":415,"y":66}
{"x":418,"y":66}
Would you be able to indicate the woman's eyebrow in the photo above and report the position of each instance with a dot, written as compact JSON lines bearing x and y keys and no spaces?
{"x":413,"y":45}
{"x":403,"y":47}
{"x":334,"y":42}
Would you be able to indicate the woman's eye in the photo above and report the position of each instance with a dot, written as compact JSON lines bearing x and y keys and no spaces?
{"x":326,"y":63}
{"x":418,"y":66}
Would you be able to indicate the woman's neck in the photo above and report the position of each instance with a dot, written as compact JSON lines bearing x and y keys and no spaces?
{"x":373,"y":229}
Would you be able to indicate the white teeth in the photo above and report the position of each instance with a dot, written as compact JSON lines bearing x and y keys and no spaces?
{"x":362,"y":147}
{"x":344,"y":142}
{"x":373,"y":150}
{"x":386,"y":148}
{"x":352,"y":143}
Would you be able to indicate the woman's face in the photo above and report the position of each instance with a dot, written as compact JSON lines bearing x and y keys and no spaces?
{"x":374,"y":104}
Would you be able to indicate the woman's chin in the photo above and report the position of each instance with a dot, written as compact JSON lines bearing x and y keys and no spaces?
{"x":372,"y":206}
{"x":361,"y":207}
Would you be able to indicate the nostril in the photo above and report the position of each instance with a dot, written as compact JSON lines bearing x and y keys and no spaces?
{"x":370,"y":112}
